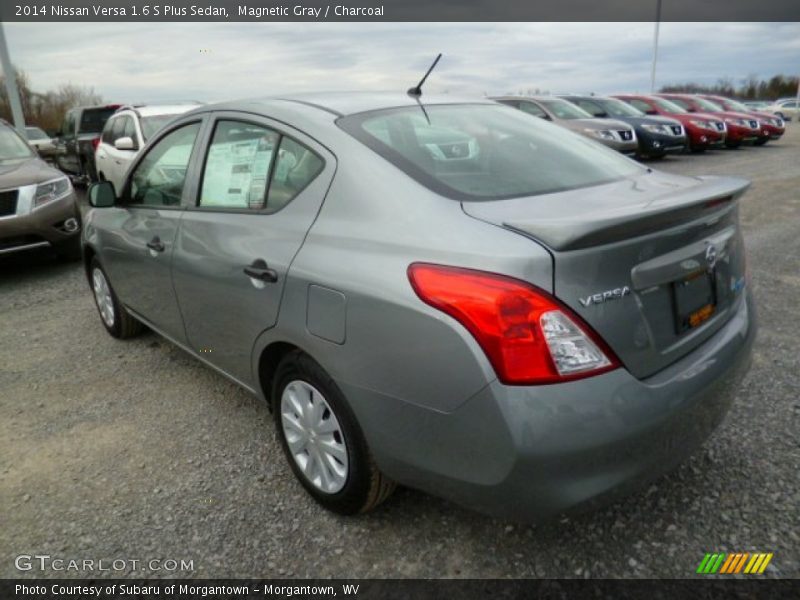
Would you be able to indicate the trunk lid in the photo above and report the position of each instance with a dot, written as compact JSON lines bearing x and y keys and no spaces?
{"x":655,"y":263}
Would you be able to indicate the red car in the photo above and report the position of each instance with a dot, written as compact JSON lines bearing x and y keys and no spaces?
{"x":772,"y":127}
{"x":704,"y":131}
{"x":741,"y":126}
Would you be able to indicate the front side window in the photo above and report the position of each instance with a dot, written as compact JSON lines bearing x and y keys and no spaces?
{"x":590,"y":107}
{"x":565,"y":110}
{"x":118,"y":128}
{"x":129,"y":130}
{"x":670,"y":105}
{"x":532,"y":109}
{"x":485,"y":152}
{"x":707,"y":105}
{"x":159,"y":178}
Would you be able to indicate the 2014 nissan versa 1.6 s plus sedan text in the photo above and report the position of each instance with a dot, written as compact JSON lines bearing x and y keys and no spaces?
{"x":444,"y":294}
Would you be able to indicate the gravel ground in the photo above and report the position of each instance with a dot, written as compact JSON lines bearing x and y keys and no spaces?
{"x":133,"y":450}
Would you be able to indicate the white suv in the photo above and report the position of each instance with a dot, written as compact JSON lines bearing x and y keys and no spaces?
{"x":124,"y":134}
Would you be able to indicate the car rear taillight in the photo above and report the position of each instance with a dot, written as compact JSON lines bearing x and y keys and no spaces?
{"x":528,"y":336}
{"x":95,"y":143}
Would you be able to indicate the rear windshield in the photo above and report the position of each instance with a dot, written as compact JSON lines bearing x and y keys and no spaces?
{"x":93,"y":119}
{"x":486,"y":152}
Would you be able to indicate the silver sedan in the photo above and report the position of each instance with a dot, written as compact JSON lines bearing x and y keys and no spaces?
{"x":435,"y":292}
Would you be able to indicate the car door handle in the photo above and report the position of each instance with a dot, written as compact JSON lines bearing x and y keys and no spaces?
{"x":156,"y":244}
{"x":261,"y":271}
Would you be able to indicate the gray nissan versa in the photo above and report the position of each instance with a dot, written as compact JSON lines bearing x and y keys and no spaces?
{"x":38,"y":208}
{"x":439,"y":293}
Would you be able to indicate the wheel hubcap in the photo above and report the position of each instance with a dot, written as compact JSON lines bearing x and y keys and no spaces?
{"x":314,"y":436}
{"x":102,"y":295}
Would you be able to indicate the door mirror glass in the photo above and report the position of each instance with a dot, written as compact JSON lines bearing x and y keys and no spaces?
{"x":124,"y":143}
{"x":101,"y":194}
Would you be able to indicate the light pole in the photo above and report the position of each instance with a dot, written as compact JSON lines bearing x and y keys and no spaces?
{"x":11,"y":85}
{"x":655,"y":48}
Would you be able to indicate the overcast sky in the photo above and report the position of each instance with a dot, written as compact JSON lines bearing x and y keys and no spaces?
{"x":218,"y":61}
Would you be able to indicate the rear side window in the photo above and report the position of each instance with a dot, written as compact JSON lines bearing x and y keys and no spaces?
{"x":295,"y":167}
{"x":93,"y":119}
{"x":485,"y":151}
{"x":253,"y":167}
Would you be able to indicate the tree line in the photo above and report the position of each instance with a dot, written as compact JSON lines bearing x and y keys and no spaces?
{"x":751,"y":88}
{"x":47,"y":109}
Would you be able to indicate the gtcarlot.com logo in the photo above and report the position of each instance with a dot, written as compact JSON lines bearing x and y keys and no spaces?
{"x":45,"y":562}
{"x":734,"y":562}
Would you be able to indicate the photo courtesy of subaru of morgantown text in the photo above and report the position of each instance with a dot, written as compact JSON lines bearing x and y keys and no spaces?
{"x":323,"y":296}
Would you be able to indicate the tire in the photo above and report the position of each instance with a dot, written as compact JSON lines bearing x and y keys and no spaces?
{"x":732,"y":145}
{"x":121,"y":324}
{"x":697,"y":149}
{"x":350,"y":482}
{"x":70,"y":251}
{"x":760,"y":141}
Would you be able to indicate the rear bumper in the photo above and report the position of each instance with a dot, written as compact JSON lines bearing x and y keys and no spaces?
{"x":531,"y":452}
{"x":41,"y":228}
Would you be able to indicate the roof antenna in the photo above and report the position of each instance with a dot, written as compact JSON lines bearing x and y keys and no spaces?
{"x":417,"y":89}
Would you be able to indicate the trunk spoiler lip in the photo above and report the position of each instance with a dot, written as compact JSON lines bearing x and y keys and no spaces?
{"x":713,"y":196}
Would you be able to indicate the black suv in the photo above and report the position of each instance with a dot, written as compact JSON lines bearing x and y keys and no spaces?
{"x":76,"y":142}
{"x":657,"y":136}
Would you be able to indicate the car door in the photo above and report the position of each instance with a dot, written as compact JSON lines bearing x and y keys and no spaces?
{"x":261,"y":188}
{"x":104,"y":161}
{"x":122,"y":159}
{"x":139,"y":232}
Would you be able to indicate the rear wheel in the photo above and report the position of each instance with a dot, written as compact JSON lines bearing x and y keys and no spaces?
{"x":117,"y":321}
{"x":322,"y":440}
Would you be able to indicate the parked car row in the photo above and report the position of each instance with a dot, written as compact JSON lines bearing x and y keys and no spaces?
{"x":652,"y":126}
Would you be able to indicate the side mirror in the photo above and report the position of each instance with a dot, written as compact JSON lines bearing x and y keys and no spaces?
{"x":650,"y":112}
{"x":101,"y":194}
{"x":124,"y":143}
{"x":601,"y":115}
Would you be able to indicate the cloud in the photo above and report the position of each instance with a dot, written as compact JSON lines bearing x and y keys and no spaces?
{"x":133,"y":62}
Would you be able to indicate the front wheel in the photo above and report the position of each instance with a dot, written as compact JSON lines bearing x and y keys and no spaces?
{"x":117,"y":321}
{"x":732,"y":145}
{"x":322,"y":440}
{"x":761,"y":141}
